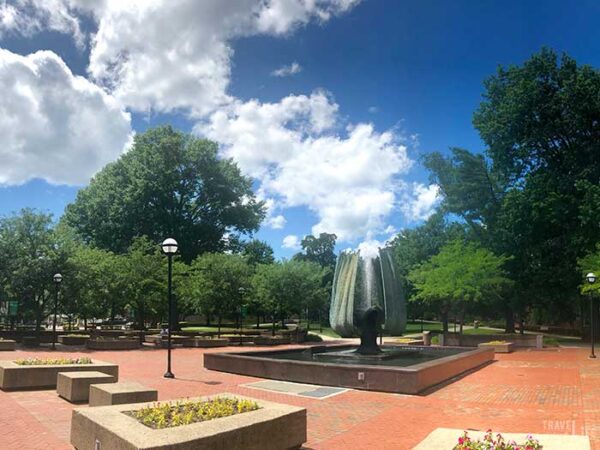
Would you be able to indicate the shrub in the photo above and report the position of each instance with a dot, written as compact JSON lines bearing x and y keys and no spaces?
{"x":313,"y":338}
{"x":184,"y":413}
{"x":499,"y":443}
{"x":52,"y":362}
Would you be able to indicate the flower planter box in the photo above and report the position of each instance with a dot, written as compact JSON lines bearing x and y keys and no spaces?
{"x":447,"y":438}
{"x":238,"y":339}
{"x":113,"y":344}
{"x":273,"y":426}
{"x":209,"y":343}
{"x":505,"y":347}
{"x":73,"y":340}
{"x":31,"y":341}
{"x":7,"y":345}
{"x":14,"y":376}
{"x":268,"y":340}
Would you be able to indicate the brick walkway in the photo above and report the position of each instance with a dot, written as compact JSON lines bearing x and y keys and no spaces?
{"x":551,"y":391}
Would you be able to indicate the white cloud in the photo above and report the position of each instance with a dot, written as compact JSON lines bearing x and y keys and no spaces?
{"x":160,"y":55}
{"x":293,"y":148}
{"x":373,"y":109}
{"x":55,"y":125}
{"x":277,"y":222}
{"x":420,"y":204}
{"x":286,"y":71}
{"x":291,"y":241}
{"x":27,"y":17}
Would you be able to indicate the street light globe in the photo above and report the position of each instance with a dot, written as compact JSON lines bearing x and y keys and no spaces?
{"x":169,"y":246}
{"x":57,"y":278}
{"x":591,"y":278}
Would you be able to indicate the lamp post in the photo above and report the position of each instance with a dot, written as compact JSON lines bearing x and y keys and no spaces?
{"x":169,"y":248}
{"x":591,"y":279}
{"x":57,"y":280}
{"x":241,"y":291}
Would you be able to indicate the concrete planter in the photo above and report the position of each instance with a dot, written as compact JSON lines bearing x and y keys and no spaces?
{"x":505,"y":347}
{"x":209,"y":343}
{"x":7,"y":345}
{"x":16,"y":377}
{"x":113,"y":344}
{"x":73,"y":340}
{"x":268,"y":340}
{"x":473,"y":340}
{"x":273,"y":426}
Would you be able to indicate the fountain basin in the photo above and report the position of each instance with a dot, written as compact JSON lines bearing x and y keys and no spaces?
{"x":415,"y":370}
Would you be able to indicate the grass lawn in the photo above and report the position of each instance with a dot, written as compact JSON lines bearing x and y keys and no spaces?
{"x":415,"y":327}
{"x":479,"y":331}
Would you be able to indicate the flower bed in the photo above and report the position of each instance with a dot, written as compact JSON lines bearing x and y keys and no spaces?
{"x":268,"y":426}
{"x":185,"y":413}
{"x":52,"y":362}
{"x":489,"y":442}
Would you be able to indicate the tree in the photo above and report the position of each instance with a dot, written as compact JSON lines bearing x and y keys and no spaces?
{"x":460,"y":276}
{"x":319,"y":250}
{"x":535,"y":197}
{"x":168,"y":184}
{"x":289,"y":287}
{"x":94,"y":283}
{"x":258,"y":252}
{"x":215,"y":282}
{"x":144,"y":278}
{"x":36,"y":254}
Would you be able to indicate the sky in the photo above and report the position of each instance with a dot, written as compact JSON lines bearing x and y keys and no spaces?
{"x":328,"y":105}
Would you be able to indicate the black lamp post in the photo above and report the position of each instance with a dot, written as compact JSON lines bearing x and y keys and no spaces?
{"x":57,"y":280}
{"x":169,"y":248}
{"x":591,"y":279}
{"x":241,"y":291}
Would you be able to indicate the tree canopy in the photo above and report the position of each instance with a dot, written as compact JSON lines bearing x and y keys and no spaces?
{"x":169,"y":184}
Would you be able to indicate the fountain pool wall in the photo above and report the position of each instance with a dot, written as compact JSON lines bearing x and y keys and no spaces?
{"x":413,"y":379}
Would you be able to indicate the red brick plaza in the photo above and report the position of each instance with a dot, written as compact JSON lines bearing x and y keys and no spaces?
{"x":549,"y":391}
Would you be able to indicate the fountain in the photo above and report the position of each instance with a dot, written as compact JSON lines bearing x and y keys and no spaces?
{"x":366,"y":294}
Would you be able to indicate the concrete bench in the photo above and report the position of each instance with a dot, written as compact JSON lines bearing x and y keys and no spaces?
{"x":75,"y":386}
{"x":120,"y":394}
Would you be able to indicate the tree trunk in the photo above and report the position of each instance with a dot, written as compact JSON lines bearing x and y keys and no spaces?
{"x":462,"y":320}
{"x":273,"y":319}
{"x":257,"y":321}
{"x":510,"y":321}
{"x":445,"y":321}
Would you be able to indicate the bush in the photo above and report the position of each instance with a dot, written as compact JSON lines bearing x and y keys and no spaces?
{"x":313,"y":338}
{"x":185,"y":413}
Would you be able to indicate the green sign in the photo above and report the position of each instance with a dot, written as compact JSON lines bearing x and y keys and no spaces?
{"x":244,"y":311}
{"x":13,"y":306}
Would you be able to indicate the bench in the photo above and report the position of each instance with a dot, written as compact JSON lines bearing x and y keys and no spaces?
{"x":75,"y":386}
{"x":120,"y":394}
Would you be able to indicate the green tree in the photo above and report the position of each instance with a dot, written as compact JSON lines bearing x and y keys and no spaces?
{"x":168,"y":184}
{"x":215,"y":282}
{"x":460,"y":276}
{"x":144,"y":280}
{"x":320,"y":250}
{"x":289,"y":287}
{"x":36,"y":253}
{"x":258,"y":252}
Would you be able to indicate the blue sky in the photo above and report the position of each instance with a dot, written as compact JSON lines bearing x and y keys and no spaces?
{"x":411,"y":69}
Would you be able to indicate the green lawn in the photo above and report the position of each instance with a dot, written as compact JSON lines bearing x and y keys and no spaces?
{"x":415,"y":327}
{"x":480,"y":331}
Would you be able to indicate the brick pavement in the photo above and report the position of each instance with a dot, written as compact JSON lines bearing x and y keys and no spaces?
{"x":550,"y":391}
